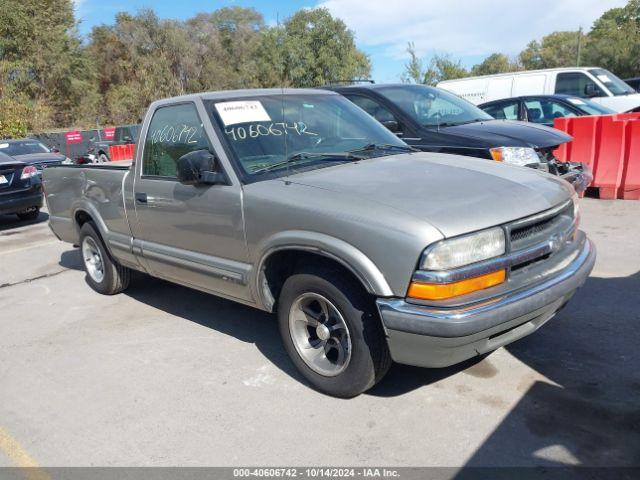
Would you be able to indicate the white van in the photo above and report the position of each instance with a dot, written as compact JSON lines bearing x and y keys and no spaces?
{"x":597,"y":84}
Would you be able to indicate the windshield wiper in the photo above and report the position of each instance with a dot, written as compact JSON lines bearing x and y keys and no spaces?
{"x":297,"y":157}
{"x":455,"y":124}
{"x":384,"y":146}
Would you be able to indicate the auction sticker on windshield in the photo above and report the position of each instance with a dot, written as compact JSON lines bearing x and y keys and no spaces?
{"x":3,"y":180}
{"x":232,"y":113}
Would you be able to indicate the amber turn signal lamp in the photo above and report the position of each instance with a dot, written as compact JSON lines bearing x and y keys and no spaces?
{"x":496,"y":154}
{"x":443,"y":291}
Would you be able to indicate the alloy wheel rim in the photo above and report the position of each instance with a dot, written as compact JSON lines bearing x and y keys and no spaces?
{"x":320,"y":334}
{"x":93,"y":259}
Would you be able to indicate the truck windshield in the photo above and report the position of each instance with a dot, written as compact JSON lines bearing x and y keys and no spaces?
{"x":613,"y":83}
{"x":433,"y":107}
{"x":280,"y":134}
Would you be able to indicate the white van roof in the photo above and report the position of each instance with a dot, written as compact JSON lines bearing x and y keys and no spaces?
{"x":519,"y":72}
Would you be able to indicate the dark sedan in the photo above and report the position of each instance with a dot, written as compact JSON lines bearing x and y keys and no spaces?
{"x":543,"y":109}
{"x":435,"y":120}
{"x":20,"y":188}
{"x":32,"y":152}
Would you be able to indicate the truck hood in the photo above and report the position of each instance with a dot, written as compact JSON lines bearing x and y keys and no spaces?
{"x":454,"y":194}
{"x":621,"y":103}
{"x":507,"y":133}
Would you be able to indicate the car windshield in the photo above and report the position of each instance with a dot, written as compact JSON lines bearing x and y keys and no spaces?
{"x":589,"y":107}
{"x":433,"y":107}
{"x":22,"y":148}
{"x":281,"y":134}
{"x":613,"y":83}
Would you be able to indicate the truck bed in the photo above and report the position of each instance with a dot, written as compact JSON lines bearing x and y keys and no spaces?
{"x":93,"y":188}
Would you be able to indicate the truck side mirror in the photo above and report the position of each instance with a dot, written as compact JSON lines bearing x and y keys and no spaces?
{"x":199,"y":167}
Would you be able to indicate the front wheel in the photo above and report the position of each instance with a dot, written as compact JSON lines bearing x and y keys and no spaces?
{"x":332,"y":332}
{"x":104,"y":274}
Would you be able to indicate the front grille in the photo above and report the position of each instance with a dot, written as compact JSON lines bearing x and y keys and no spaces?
{"x":523,"y":233}
{"x":555,"y":227}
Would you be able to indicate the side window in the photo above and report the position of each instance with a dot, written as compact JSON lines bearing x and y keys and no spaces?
{"x":545,"y":111}
{"x":174,"y":131}
{"x":373,"y":108}
{"x":577,"y":84}
{"x":503,"y":111}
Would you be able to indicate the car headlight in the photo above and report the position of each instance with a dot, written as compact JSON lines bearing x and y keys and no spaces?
{"x":515,"y":155}
{"x":460,"y":251}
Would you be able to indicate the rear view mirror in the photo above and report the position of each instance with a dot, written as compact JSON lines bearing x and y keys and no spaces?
{"x":199,"y":167}
{"x":590,"y":90}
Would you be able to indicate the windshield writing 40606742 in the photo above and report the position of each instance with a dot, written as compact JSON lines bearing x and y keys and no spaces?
{"x":255,"y":130}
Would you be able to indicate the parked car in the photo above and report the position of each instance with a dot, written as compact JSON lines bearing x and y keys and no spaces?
{"x":32,"y":152}
{"x":596,"y":84}
{"x":435,"y":120}
{"x":123,"y":135}
{"x":543,"y":109}
{"x":634,"y":83}
{"x":299,"y":203}
{"x":20,"y":188}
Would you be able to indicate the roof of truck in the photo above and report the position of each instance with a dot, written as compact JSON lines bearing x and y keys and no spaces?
{"x":519,"y":72}
{"x":251,"y":92}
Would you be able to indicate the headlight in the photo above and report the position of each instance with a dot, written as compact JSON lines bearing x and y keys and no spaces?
{"x":461,"y":251}
{"x":515,"y":155}
{"x":457,"y":252}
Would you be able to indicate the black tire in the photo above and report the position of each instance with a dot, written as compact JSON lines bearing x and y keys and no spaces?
{"x":30,"y":215}
{"x":370,"y":359}
{"x":115,"y":277}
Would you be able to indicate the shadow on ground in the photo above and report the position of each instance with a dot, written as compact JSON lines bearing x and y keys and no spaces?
{"x":589,"y":411}
{"x":9,"y":222}
{"x":590,"y":351}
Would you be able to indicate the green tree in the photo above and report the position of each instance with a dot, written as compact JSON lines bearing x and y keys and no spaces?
{"x":494,"y":63}
{"x":614,"y":41}
{"x":558,"y":49}
{"x":441,"y":67}
{"x":414,"y":68}
{"x":43,"y":63}
{"x":319,"y":49}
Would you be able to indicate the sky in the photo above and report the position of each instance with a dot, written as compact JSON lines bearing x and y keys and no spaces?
{"x":469,"y":30}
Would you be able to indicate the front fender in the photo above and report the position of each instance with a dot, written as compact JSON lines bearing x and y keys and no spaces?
{"x":339,"y":250}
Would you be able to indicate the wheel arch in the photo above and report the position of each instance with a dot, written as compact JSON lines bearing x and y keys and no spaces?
{"x":311,"y":246}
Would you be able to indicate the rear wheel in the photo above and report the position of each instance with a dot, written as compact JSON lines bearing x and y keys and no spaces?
{"x":30,"y":214}
{"x":331,"y":330}
{"x":104,"y":274}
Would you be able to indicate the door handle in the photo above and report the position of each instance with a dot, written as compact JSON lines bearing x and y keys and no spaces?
{"x":141,"y":197}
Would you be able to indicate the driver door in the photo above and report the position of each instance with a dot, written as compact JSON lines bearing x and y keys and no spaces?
{"x":189,"y":234}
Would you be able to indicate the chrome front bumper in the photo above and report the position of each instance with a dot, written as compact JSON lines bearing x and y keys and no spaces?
{"x":437,"y":337}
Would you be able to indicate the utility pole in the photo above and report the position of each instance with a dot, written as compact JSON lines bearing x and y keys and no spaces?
{"x":579,"y":45}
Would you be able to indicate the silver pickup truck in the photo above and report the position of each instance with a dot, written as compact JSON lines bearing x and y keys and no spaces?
{"x":297,"y":202}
